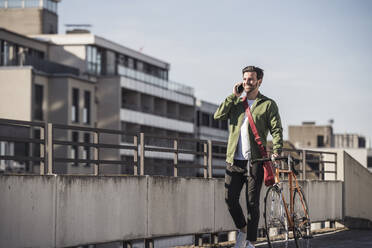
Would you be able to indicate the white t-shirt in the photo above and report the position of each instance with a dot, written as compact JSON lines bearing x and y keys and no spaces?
{"x":243,"y":149}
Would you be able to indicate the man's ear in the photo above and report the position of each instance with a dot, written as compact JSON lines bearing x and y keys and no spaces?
{"x":259,"y":82}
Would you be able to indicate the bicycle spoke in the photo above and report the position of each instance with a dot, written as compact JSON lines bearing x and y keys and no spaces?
{"x":302,"y":224}
{"x":275,"y":220}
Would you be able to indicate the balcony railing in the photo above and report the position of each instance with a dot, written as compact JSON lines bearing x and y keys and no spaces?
{"x":169,"y":85}
{"x":49,"y":66}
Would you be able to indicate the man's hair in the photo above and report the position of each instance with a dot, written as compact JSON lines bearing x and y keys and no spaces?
{"x":251,"y":68}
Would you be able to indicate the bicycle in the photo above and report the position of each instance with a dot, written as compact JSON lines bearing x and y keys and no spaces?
{"x":279,"y":220}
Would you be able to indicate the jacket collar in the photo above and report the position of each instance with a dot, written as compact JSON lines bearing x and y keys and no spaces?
{"x":259,"y":97}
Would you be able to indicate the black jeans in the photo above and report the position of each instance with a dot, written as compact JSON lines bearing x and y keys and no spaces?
{"x":235,"y":177}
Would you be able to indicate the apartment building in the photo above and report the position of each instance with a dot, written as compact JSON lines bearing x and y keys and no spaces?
{"x":34,"y":88}
{"x":82,"y":76}
{"x":134,"y":94}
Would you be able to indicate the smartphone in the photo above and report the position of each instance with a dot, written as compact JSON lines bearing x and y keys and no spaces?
{"x":240,"y":88}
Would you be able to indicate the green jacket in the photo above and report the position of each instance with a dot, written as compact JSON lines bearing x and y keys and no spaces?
{"x":265,"y":114}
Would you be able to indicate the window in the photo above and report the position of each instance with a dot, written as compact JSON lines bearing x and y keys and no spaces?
{"x":86,"y":110}
{"x":75,"y":149}
{"x":50,"y":5}
{"x":5,"y":53}
{"x":215,"y":123}
{"x":94,"y":60}
{"x":124,"y":129}
{"x":86,"y":151}
{"x":205,"y":119}
{"x":38,"y":102}
{"x":361,"y":142}
{"x":198,"y":118}
{"x":131,"y":63}
{"x":139,"y":66}
{"x":369,"y":162}
{"x":15,"y":4}
{"x":32,"y":3}
{"x":224,"y":124}
{"x":75,"y":105}
{"x":320,"y":141}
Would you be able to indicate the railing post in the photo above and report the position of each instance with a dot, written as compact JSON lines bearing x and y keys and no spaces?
{"x":214,"y":238}
{"x":127,"y":244}
{"x":142,"y":154}
{"x":30,"y":152}
{"x":321,"y":167}
{"x":205,"y":159}
{"x":175,"y":168}
{"x":282,"y":166}
{"x":149,"y":243}
{"x":335,"y":166}
{"x":96,"y":153}
{"x":43,"y":151}
{"x":210,"y":159}
{"x":50,"y":148}
{"x":135,"y":155}
{"x":198,"y":239}
{"x":304,"y":164}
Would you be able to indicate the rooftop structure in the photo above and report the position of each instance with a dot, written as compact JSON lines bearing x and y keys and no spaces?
{"x":29,"y":16}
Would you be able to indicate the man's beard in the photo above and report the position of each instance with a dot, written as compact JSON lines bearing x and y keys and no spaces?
{"x":251,"y":89}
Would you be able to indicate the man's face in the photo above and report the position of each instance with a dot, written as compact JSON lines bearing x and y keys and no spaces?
{"x":250,"y":82}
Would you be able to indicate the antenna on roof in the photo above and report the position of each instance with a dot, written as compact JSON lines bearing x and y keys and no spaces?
{"x":78,"y":28}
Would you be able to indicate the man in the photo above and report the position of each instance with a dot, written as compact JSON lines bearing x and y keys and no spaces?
{"x":242,"y":148}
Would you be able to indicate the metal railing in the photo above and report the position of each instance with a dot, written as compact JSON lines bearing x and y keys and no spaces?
{"x":42,"y":141}
{"x":312,"y":163}
{"x":176,"y":150}
{"x":96,"y":145}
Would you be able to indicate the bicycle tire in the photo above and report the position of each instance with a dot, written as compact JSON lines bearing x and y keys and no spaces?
{"x":276,"y":222}
{"x":301,"y":218}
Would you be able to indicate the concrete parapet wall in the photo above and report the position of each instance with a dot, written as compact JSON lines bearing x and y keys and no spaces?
{"x":59,"y":211}
{"x":180,"y":206}
{"x":324,"y":199}
{"x":100,"y":209}
{"x":357,"y":189}
{"x":27,"y":210}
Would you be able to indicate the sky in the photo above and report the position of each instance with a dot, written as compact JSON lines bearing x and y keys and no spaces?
{"x":317,"y":55}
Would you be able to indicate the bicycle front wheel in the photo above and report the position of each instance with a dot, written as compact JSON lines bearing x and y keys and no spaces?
{"x":276,"y":222}
{"x":301,"y":218}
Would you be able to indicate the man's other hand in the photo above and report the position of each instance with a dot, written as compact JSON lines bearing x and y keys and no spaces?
{"x":273,"y":157}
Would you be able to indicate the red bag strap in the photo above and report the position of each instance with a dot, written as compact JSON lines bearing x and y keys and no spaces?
{"x":254,"y":129}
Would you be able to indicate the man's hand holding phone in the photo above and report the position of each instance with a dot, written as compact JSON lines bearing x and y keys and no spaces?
{"x":238,"y":89}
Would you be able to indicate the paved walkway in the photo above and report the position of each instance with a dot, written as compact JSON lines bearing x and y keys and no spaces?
{"x":344,"y":239}
{"x":336,"y":239}
{"x":340,"y":239}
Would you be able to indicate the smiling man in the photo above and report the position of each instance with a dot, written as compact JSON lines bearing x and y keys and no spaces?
{"x":242,"y":148}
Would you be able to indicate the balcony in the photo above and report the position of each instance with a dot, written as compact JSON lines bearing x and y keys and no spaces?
{"x":41,"y":65}
{"x":50,"y":67}
{"x":169,"y":85}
